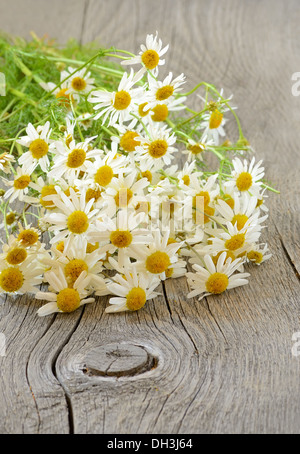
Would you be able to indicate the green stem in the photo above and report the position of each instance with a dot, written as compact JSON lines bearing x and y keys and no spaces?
{"x":269,"y":188}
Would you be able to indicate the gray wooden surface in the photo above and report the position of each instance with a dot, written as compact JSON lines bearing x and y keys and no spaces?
{"x":220,"y":366}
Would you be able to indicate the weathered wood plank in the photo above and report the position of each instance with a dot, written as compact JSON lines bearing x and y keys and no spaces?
{"x":55,"y":19}
{"x":222,"y":365}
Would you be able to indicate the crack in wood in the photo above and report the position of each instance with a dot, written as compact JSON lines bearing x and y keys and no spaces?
{"x":179,"y":318}
{"x":290,"y":260}
{"x":214,"y":319}
{"x":53,"y":367}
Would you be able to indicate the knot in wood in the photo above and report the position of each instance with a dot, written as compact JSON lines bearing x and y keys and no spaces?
{"x":118,"y":359}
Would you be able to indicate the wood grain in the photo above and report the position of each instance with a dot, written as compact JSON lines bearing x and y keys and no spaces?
{"x":223,"y":365}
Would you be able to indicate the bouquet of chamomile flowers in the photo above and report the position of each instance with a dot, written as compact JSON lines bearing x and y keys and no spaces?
{"x":112,"y":183}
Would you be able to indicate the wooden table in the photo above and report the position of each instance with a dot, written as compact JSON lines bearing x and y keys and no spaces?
{"x":223,"y":365}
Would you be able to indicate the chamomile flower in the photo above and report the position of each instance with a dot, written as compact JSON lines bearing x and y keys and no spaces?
{"x":178,"y":269}
{"x":259,"y":254}
{"x":150,"y":55}
{"x":10,"y":220}
{"x":60,"y":91}
{"x":165,"y":90}
{"x":104,"y":168}
{"x":122,"y":233}
{"x":213,"y":121}
{"x":246,"y":176}
{"x":19,"y":186}
{"x":13,"y":252}
{"x":28,"y":236}
{"x":158,"y":256}
{"x":124,"y":192}
{"x":79,"y":82}
{"x":160,"y":110}
{"x":68,"y":130}
{"x":70,"y":160}
{"x":85,"y":120}
{"x":119,"y":104}
{"x":184,"y":175}
{"x":75,"y":259}
{"x":39,"y":144}
{"x":157,"y":149}
{"x":128,"y":138}
{"x":45,"y":188}
{"x":6,"y":160}
{"x":203,"y":195}
{"x":73,"y":216}
{"x":244,"y":212}
{"x":195,"y":149}
{"x":22,"y":278}
{"x":63,"y":298}
{"x":214,"y":279}
{"x":213,"y":125}
{"x":261,"y":205}
{"x":133,"y":290}
{"x":234,"y":240}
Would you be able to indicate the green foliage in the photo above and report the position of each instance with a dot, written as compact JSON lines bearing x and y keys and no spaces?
{"x":27,"y":65}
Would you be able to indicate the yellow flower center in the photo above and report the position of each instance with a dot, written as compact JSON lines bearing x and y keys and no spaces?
{"x":157,"y":262}
{"x":201,"y":201}
{"x":229,"y":254}
{"x":123,"y":197}
{"x":68,"y":300}
{"x":143,"y":113}
{"x":91,"y":247}
{"x":128,"y":142}
{"x":92,"y":194}
{"x":10,"y":218}
{"x":160,"y":112}
{"x":215,"y":119}
{"x":169,"y":272}
{"x":78,"y":84}
{"x":11,"y":279}
{"x":62,"y":93}
{"x":38,"y":148}
{"x":196,"y":149}
{"x":67,"y":191}
{"x":228,"y":199}
{"x":186,"y":180}
{"x":217,"y":283}
{"x":22,"y":182}
{"x":255,"y":256}
{"x":121,"y":238}
{"x":147,"y":174}
{"x":28,"y":237}
{"x":16,"y":256}
{"x":69,"y":139}
{"x":60,"y":246}
{"x":240,"y":220}
{"x":244,"y":181}
{"x":47,"y":190}
{"x":122,"y":100}
{"x":74,"y":268}
{"x":104,"y":175}
{"x":235,"y":242}
{"x":78,"y":222}
{"x":259,"y":202}
{"x":158,"y":148}
{"x":208,"y":212}
{"x":206,"y":197}
{"x":150,"y":58}
{"x":136,"y":299}
{"x":164,"y":92}
{"x":76,"y":158}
